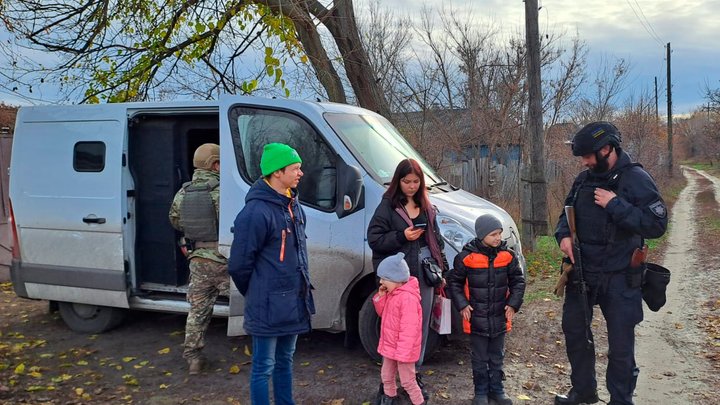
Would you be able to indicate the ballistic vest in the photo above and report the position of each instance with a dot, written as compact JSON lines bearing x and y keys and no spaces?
{"x":198,"y":217}
{"x":594,"y":224}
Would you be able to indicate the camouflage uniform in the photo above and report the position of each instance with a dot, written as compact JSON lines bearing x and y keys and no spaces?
{"x":208,"y":274}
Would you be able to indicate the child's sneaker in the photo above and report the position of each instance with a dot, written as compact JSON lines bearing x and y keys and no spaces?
{"x":386,"y":400}
{"x":480,"y":400}
{"x":421,"y":384}
{"x":500,"y":399}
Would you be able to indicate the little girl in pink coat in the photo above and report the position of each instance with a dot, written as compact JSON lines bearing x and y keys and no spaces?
{"x":397,"y":302}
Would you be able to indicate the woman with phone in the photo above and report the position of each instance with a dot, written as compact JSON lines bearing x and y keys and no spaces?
{"x":405,"y":221}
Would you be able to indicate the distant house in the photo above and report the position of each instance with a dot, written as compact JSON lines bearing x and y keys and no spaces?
{"x":467,"y":152}
{"x":461,"y":138}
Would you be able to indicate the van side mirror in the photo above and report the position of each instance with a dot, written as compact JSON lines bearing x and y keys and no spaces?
{"x":350,"y":189}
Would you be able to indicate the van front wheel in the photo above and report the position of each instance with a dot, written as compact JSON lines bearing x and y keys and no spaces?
{"x":369,"y":331}
{"x":87,"y":318}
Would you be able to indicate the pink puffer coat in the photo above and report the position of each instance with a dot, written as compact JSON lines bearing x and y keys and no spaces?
{"x":401,"y":324}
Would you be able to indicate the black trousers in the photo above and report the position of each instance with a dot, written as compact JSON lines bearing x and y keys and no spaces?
{"x":487,"y":363}
{"x":621,"y":306}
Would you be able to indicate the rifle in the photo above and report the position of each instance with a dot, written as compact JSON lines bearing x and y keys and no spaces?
{"x":570,"y":217}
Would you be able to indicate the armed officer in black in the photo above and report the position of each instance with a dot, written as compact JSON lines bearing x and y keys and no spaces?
{"x":617,"y":206}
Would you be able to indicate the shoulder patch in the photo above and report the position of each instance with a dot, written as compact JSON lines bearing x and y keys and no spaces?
{"x":658,"y":209}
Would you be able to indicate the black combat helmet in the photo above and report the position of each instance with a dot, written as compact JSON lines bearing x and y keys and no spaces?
{"x":593,"y":136}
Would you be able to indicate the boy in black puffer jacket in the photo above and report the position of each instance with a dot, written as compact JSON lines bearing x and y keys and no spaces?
{"x":487,"y":286}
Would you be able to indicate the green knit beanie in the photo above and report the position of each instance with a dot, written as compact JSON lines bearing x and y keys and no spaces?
{"x":277,"y":156}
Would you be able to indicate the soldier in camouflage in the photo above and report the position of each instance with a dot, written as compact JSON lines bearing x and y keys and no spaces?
{"x":195,"y":212}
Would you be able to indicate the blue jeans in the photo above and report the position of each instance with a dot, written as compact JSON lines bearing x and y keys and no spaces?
{"x":272,"y":355}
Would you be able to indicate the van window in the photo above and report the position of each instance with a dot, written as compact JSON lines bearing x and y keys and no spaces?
{"x":89,"y":157}
{"x":377,"y":144}
{"x":253,"y":128}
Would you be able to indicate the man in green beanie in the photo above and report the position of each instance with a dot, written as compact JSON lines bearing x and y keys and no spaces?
{"x":269,"y":266}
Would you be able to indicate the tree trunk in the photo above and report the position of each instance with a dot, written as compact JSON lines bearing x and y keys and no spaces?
{"x":343,"y":27}
{"x":309,"y":37}
{"x":340,"y":21}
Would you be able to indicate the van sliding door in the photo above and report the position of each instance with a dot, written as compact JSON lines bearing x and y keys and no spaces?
{"x":69,"y":209}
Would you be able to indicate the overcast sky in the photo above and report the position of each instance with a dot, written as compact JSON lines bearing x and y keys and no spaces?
{"x":635,"y":30}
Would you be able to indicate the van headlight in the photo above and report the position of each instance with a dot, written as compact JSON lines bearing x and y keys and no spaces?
{"x":453,"y":232}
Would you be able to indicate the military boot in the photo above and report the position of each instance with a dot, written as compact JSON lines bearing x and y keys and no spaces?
{"x":575,"y":398}
{"x":195,"y":365}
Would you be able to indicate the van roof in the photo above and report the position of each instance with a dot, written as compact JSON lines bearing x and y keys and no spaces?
{"x":98,"y":111}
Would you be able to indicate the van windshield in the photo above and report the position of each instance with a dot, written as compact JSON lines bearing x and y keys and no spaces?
{"x":377,"y":145}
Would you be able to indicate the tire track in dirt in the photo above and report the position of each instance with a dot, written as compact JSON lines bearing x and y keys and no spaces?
{"x":669,"y":341}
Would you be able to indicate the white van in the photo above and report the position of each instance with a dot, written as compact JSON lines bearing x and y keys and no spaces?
{"x":91,"y":185}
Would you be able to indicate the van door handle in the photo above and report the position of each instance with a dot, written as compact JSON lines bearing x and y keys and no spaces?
{"x":93,"y":220}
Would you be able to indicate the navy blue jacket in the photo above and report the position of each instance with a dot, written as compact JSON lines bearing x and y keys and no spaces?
{"x":269,"y":265}
{"x":609,"y":235}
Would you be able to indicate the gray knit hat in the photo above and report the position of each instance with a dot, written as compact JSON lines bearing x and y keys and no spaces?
{"x":485,"y":224}
{"x":394,"y":268}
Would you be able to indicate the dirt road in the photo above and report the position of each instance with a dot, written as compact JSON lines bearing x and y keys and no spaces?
{"x":42,"y":362}
{"x":669,"y":342}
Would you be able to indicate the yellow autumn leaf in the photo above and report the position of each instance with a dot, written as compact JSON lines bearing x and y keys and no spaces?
{"x":35,"y":374}
{"x":305,"y":363}
{"x":247,"y":351}
{"x":46,"y":355}
{"x":34,"y":388}
{"x":61,"y":378}
{"x":128,"y":359}
{"x":164,"y":386}
{"x":524,"y":397}
{"x":20,"y":369}
{"x":79,"y":391}
{"x":234,"y":369}
{"x":164,"y":351}
{"x":82,"y":363}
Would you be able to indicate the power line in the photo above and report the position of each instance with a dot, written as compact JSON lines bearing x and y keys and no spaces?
{"x":657,"y":37}
{"x":646,"y":24}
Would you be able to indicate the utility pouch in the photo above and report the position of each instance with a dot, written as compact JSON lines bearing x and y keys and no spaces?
{"x":634,"y":276}
{"x":653,"y":290}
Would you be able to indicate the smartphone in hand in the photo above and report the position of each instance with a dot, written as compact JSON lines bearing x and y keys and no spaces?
{"x":419,"y":226}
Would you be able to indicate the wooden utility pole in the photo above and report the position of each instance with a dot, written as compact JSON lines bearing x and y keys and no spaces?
{"x":657,"y":115}
{"x":533,"y":205}
{"x":669,"y":114}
